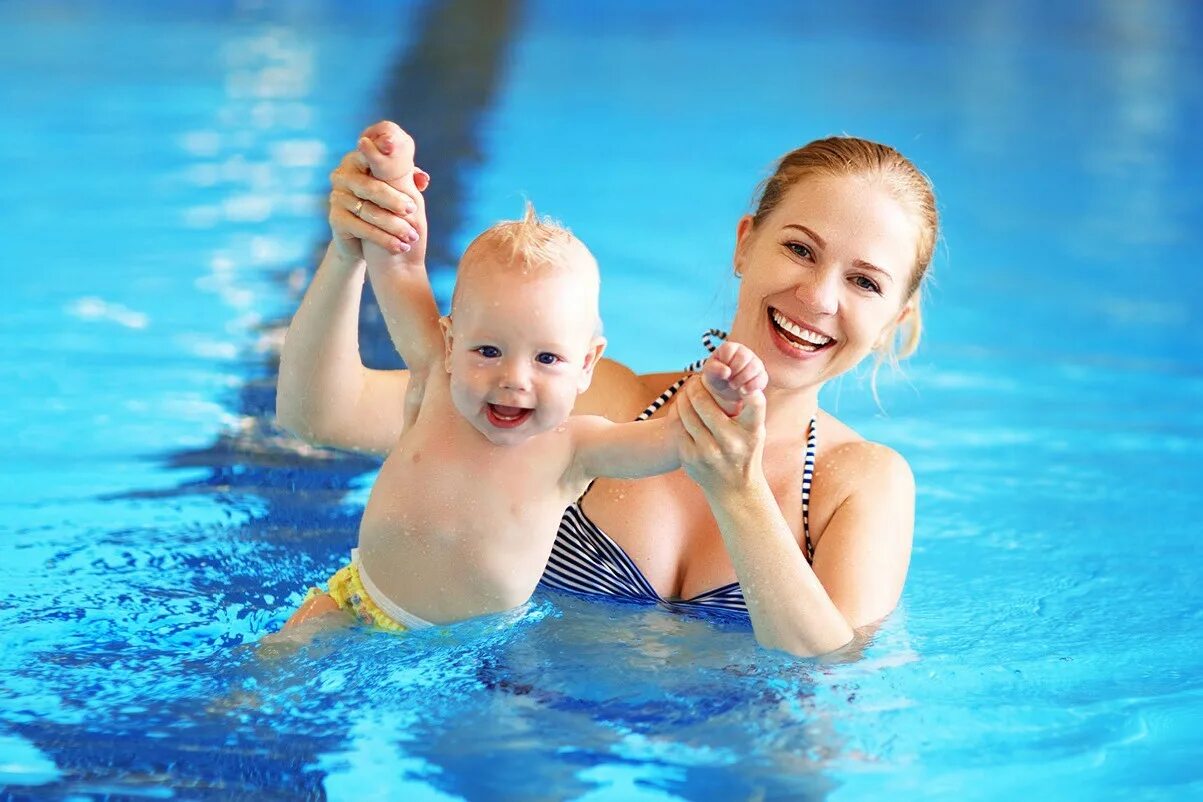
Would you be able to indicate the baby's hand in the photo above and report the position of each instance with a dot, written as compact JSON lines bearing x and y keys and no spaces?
{"x":390,"y":155}
{"x":732,"y":372}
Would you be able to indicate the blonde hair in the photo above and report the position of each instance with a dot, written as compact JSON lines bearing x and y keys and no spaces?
{"x":531,"y":244}
{"x":850,"y":156}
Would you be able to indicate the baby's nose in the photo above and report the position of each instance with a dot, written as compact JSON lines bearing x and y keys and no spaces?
{"x":515,"y":376}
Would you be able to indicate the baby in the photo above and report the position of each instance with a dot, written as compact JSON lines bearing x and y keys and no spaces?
{"x":462,"y":517}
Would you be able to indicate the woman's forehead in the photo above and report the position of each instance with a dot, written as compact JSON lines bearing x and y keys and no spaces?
{"x":855,"y":214}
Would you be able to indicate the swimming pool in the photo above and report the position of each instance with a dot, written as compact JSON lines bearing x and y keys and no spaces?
{"x":167,"y":170}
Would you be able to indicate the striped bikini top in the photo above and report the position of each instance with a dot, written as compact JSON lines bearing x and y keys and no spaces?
{"x":585,"y":560}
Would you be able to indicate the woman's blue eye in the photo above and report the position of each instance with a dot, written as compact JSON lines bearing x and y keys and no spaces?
{"x":802,"y":250}
{"x":866,"y":283}
{"x":489,"y":351}
{"x":546,"y":358}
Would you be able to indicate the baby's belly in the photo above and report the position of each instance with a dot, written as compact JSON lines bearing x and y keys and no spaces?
{"x":445,"y":548}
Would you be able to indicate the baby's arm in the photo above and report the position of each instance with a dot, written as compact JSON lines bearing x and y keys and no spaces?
{"x":647,"y":448}
{"x":732,"y":372}
{"x":399,"y":279}
{"x":624,"y":450}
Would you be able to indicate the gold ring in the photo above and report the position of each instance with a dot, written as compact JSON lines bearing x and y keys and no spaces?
{"x":358,"y":208}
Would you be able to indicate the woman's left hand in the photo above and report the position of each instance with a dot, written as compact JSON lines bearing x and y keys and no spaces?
{"x":718,"y":452}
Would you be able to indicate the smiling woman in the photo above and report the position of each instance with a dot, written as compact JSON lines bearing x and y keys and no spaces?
{"x":808,"y":537}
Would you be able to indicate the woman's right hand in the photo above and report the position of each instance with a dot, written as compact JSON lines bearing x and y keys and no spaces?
{"x":381,"y":218}
{"x":722,"y":454}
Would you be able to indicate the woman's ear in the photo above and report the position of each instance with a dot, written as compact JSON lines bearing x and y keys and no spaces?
{"x":448,"y":339}
{"x":743,"y":230}
{"x":887,"y":334}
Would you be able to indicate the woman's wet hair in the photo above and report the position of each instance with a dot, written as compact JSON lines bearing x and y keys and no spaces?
{"x":851,"y":156}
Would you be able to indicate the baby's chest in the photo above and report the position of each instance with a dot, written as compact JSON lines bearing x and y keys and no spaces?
{"x":448,"y":481}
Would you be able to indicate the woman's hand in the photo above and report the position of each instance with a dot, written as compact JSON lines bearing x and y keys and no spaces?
{"x":381,"y":217}
{"x":718,"y":452}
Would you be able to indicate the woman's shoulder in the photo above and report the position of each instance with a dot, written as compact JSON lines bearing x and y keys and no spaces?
{"x":620,"y":394}
{"x":862,"y":463}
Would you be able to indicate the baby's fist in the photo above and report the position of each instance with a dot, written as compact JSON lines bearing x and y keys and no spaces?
{"x":732,"y":372}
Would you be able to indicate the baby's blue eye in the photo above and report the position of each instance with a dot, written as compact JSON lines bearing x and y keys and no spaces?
{"x":546,"y":358}
{"x":489,"y":351}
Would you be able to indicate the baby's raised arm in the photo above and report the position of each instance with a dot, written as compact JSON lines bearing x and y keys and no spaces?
{"x":647,"y":448}
{"x":399,"y":278}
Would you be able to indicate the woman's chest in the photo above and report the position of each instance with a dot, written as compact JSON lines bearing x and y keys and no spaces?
{"x":665,"y":525}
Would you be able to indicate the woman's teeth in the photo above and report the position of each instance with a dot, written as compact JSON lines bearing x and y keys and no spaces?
{"x":805,"y":339}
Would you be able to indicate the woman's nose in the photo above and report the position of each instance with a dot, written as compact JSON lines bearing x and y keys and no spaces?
{"x":820,"y":292}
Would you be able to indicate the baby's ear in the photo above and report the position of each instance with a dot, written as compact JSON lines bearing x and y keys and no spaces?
{"x":448,"y":339}
{"x":596,"y":346}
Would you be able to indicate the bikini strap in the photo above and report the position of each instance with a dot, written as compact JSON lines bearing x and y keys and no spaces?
{"x":708,"y":341}
{"x":808,"y":472}
{"x":693,"y":367}
{"x":662,"y":399}
{"x":812,"y":436}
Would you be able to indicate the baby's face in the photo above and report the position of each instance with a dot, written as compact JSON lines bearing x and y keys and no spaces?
{"x":519,"y":350}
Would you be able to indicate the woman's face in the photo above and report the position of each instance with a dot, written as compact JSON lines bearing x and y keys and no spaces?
{"x":825,"y":277}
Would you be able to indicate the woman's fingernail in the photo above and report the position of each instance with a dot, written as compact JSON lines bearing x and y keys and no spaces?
{"x":410,"y":208}
{"x":403,"y":248}
{"x":413,"y":236}
{"x":385,"y":144}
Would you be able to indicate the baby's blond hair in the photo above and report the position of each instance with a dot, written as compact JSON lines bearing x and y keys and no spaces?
{"x":530,"y":246}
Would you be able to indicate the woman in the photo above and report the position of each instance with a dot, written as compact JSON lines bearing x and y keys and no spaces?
{"x":831,"y":265}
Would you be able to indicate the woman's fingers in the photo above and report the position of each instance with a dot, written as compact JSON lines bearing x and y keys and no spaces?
{"x":751,"y":417}
{"x":402,"y":228}
{"x":352,"y":176}
{"x":347,"y":226}
{"x":689,"y":417}
{"x":708,"y":410}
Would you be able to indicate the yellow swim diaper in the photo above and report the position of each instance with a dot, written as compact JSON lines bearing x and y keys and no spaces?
{"x":346,"y":588}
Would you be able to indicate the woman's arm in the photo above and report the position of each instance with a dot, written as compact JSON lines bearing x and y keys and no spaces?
{"x":858,"y":574}
{"x":325,"y":394}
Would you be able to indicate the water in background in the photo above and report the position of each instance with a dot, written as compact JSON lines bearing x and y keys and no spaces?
{"x":165,"y":176}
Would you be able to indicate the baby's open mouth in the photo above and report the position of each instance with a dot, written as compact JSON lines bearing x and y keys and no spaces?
{"x":797,"y":335}
{"x":504,"y":417}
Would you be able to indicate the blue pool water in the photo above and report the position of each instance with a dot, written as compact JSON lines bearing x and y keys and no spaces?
{"x":165,"y":172}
